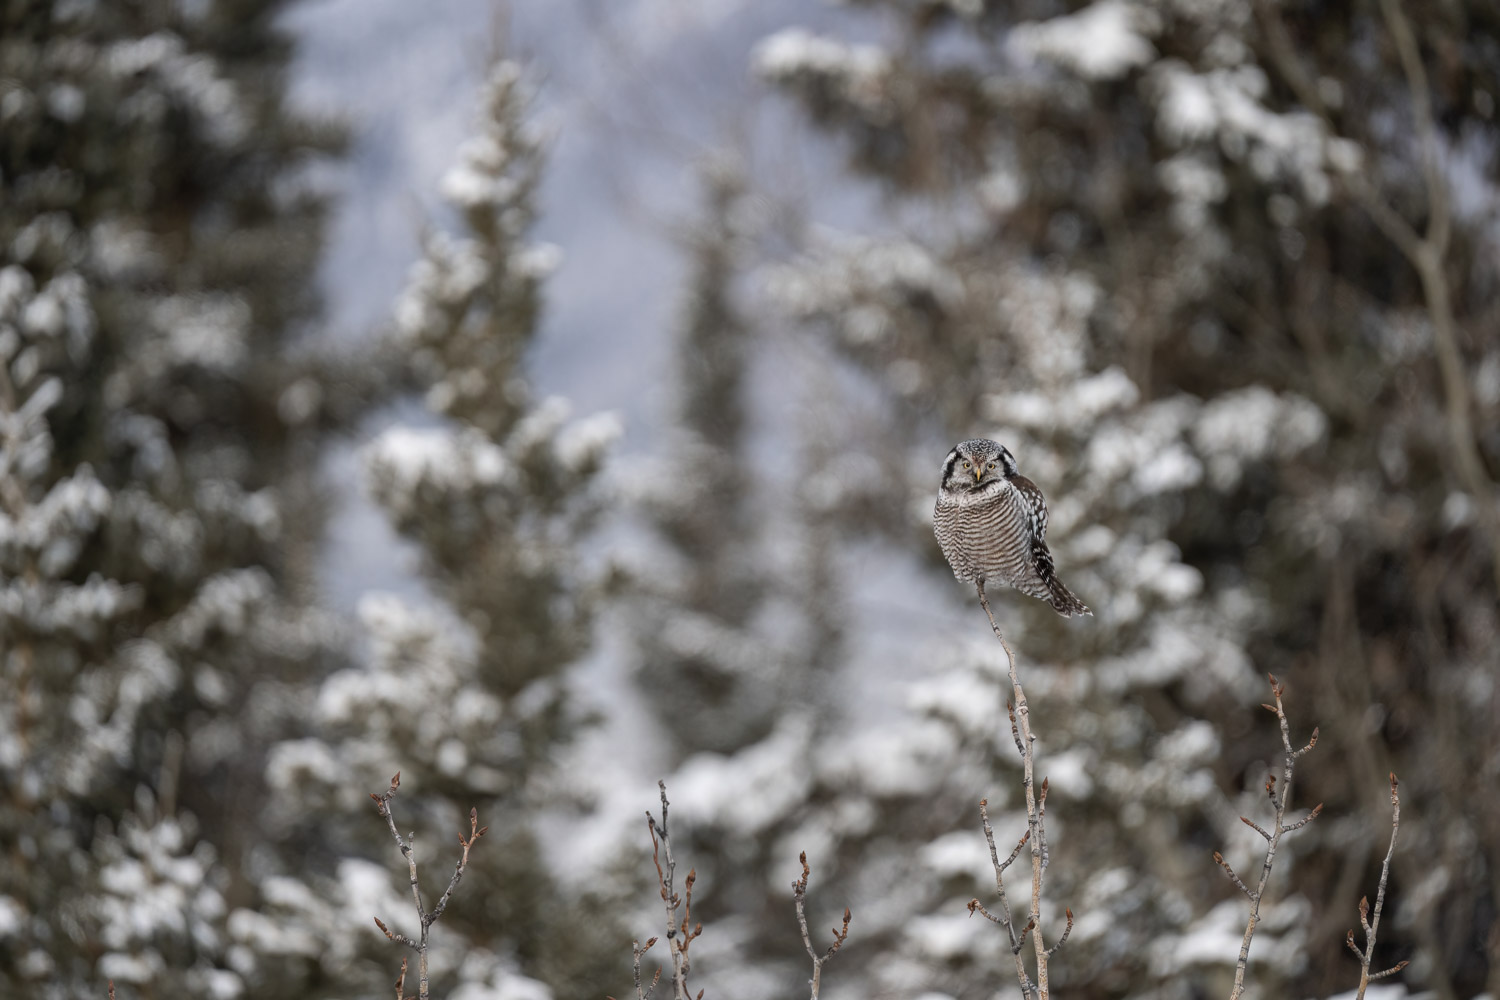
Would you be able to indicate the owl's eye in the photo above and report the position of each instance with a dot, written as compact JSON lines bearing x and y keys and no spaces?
{"x":966,"y":465}
{"x":992,"y":465}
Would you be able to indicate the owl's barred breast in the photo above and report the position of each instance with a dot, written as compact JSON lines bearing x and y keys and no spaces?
{"x":986,"y":535}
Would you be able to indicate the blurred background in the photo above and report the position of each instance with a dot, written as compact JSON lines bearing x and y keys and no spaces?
{"x":544,"y":399}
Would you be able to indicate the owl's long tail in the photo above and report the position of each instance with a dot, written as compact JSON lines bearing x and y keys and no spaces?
{"x":1062,"y":599}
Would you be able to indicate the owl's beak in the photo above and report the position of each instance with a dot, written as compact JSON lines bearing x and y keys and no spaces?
{"x":978,"y":472}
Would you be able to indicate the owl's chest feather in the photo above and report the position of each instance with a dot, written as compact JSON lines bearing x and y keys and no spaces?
{"x":983,"y":529}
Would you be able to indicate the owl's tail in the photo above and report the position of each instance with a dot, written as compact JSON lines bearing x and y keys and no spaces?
{"x":1063,"y":601}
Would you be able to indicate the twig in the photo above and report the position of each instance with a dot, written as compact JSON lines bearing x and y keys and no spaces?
{"x":1036,"y":835}
{"x":642,"y":992}
{"x":1371,"y":921}
{"x":425,"y":918}
{"x":799,"y":896}
{"x":679,"y":935}
{"x":1279,"y":827}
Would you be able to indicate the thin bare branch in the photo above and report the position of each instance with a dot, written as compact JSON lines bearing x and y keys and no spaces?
{"x":976,"y":906}
{"x":1317,"y":810}
{"x":638,"y":950}
{"x":1279,"y":802}
{"x":475,"y":832}
{"x":679,"y":934}
{"x":1219,"y":859}
{"x":1370,"y":919}
{"x":396,"y":936}
{"x":1066,"y":931}
{"x":840,"y":934}
{"x":1254,"y":826}
{"x":1025,"y":739}
{"x":425,"y":919}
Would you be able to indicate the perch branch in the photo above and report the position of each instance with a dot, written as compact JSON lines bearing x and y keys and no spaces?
{"x":1036,"y":831}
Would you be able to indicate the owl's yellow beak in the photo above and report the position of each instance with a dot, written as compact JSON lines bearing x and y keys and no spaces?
{"x":978,"y":472}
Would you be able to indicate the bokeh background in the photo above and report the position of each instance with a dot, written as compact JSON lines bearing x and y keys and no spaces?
{"x":543,"y":400}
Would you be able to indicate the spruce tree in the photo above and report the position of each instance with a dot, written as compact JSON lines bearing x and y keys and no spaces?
{"x":156,"y":445}
{"x":467,"y":696}
{"x":1159,"y":252}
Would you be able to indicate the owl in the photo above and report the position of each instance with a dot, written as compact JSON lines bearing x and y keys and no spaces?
{"x":991,"y":522}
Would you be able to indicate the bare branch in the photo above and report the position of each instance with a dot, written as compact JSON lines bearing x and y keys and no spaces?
{"x":399,"y":938}
{"x":799,"y":897}
{"x":475,"y":832}
{"x":425,"y":919}
{"x":1372,"y":924}
{"x":1254,"y":826}
{"x":975,"y":904}
{"x":642,"y":992}
{"x":1036,"y":832}
{"x":1219,"y":858}
{"x":1278,"y":828}
{"x":1317,"y":810}
{"x":680,"y":934}
{"x":1066,"y":931}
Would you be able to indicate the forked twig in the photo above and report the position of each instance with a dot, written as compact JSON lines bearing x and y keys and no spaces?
{"x":425,"y":917}
{"x":1280,"y":803}
{"x":680,"y":934}
{"x":799,"y":896}
{"x":1371,"y":921}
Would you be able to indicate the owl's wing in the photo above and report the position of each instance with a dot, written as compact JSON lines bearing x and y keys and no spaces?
{"x":1036,"y":513}
{"x":1036,"y":506}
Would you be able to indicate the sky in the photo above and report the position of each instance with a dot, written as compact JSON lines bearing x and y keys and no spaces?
{"x":635,"y":93}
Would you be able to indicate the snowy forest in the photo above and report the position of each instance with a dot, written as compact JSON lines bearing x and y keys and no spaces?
{"x":489,"y":451}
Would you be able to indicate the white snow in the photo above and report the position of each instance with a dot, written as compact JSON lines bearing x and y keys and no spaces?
{"x":1102,"y":41}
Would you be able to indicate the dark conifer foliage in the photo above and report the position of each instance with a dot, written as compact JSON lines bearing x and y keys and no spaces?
{"x":157,"y":252}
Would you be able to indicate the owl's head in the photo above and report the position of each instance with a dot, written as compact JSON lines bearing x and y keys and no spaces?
{"x":976,"y":463}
